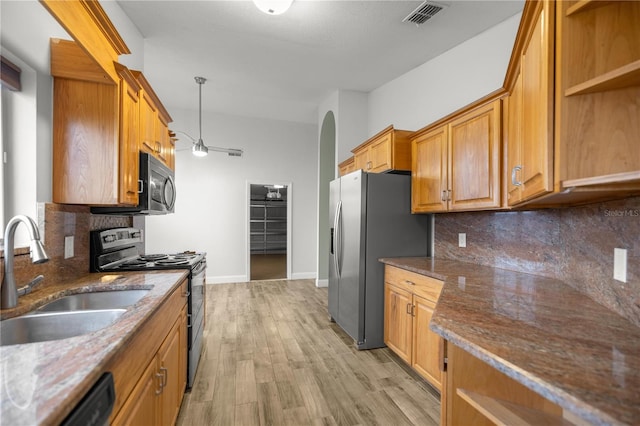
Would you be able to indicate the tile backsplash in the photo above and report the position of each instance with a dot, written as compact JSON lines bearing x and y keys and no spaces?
{"x":59,"y":221}
{"x":575,"y":245}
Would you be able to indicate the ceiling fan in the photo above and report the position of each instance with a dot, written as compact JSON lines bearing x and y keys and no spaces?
{"x":199,"y":149}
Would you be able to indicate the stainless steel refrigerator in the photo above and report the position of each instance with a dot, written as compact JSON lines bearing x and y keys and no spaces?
{"x":370,"y":218}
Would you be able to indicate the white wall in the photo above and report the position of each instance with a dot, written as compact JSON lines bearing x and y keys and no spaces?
{"x":350,"y":111}
{"x":129,"y":33}
{"x":19,"y":136}
{"x":448,"y":82}
{"x":211,"y":207}
{"x":25,"y":29}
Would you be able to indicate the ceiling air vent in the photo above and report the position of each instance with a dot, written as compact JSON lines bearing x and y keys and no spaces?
{"x":423,"y":13}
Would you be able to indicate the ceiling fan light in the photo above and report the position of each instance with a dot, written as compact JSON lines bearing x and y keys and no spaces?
{"x":273,"y":7}
{"x":200,"y":149}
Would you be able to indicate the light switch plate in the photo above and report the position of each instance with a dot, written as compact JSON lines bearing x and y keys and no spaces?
{"x":620,"y":264}
{"x":462,"y":239}
{"x":68,"y":246}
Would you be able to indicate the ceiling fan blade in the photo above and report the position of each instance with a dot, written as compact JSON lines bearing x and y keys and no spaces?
{"x":233,"y":152}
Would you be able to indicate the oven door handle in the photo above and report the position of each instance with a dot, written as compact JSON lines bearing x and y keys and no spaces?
{"x":200,"y":268}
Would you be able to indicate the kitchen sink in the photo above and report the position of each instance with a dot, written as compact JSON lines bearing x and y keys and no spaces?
{"x":100,"y":300}
{"x":54,"y":326}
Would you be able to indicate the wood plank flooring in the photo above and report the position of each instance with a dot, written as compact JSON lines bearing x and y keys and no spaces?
{"x":272,"y":357}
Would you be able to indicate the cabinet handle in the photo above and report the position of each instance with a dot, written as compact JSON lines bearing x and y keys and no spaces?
{"x":413,"y":309}
{"x":158,"y":146}
{"x":186,"y":294}
{"x":514,"y":180}
{"x":409,"y":282}
{"x":444,"y":195}
{"x":189,"y":321}
{"x":160,"y":387}
{"x":448,"y":195}
{"x":165,"y":375}
{"x":408,"y":310}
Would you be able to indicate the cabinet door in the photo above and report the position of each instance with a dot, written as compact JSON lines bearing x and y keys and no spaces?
{"x":513,"y":139}
{"x":429,"y":172}
{"x":380,"y":154}
{"x":426,"y":344}
{"x":148,"y":122}
{"x":398,"y":321}
{"x":169,"y":368}
{"x":361,"y":160}
{"x":536,"y":67}
{"x":129,"y":148}
{"x":346,"y":167}
{"x":474,"y":159}
{"x":141,"y":407}
{"x":162,"y":144}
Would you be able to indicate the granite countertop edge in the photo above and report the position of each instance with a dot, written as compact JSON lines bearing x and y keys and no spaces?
{"x":479,"y":340}
{"x":60,"y":372}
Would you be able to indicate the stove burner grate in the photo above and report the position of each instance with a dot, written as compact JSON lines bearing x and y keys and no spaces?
{"x":174,"y":261}
{"x":152,"y":257}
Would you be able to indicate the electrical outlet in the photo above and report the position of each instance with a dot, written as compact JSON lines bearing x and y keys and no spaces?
{"x":462,"y":240}
{"x":620,"y":264}
{"x":68,"y":246}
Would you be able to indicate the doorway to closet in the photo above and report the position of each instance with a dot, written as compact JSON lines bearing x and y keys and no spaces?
{"x":269,"y":231}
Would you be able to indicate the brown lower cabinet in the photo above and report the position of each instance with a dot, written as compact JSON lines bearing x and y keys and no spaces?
{"x":150,"y":372}
{"x":475,"y":393}
{"x":410,"y":299}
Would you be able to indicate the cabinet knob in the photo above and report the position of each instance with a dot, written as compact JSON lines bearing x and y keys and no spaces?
{"x":514,"y":180}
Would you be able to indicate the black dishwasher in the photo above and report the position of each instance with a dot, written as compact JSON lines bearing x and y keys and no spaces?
{"x":96,"y":406}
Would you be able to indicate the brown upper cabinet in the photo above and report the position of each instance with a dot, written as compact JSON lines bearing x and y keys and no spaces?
{"x":529,"y":112}
{"x":572,"y":115}
{"x":98,"y":111}
{"x":95,"y":131}
{"x":155,"y":137}
{"x":389,"y":150}
{"x":456,"y":161}
{"x":347,"y":166}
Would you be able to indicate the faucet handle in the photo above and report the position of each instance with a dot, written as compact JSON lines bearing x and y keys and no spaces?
{"x":30,"y":286}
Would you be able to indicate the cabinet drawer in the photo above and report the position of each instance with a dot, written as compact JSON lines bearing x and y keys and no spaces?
{"x":419,"y":284}
{"x":129,"y":364}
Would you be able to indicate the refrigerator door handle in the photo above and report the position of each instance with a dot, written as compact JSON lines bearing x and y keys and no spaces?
{"x":338,"y":238}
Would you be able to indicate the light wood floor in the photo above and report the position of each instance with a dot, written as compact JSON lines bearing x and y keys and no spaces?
{"x":272,"y":357}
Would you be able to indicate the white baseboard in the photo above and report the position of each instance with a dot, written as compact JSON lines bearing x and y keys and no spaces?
{"x":322,"y":282}
{"x":227,"y":279}
{"x":303,"y":275}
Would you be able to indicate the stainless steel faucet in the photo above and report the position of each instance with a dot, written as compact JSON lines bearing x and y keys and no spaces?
{"x":9,"y":291}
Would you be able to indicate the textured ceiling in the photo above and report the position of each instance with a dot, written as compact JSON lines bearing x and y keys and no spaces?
{"x":283,"y":66}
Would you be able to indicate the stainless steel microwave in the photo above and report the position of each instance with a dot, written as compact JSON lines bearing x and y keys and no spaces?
{"x":157,"y":190}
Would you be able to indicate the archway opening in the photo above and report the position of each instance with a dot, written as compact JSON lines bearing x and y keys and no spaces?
{"x":327,"y":172}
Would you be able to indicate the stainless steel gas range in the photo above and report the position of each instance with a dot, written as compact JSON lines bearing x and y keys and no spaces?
{"x":122,"y":249}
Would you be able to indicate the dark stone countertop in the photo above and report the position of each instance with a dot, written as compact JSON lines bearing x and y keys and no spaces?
{"x":541,"y":332}
{"x":42,"y":382}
